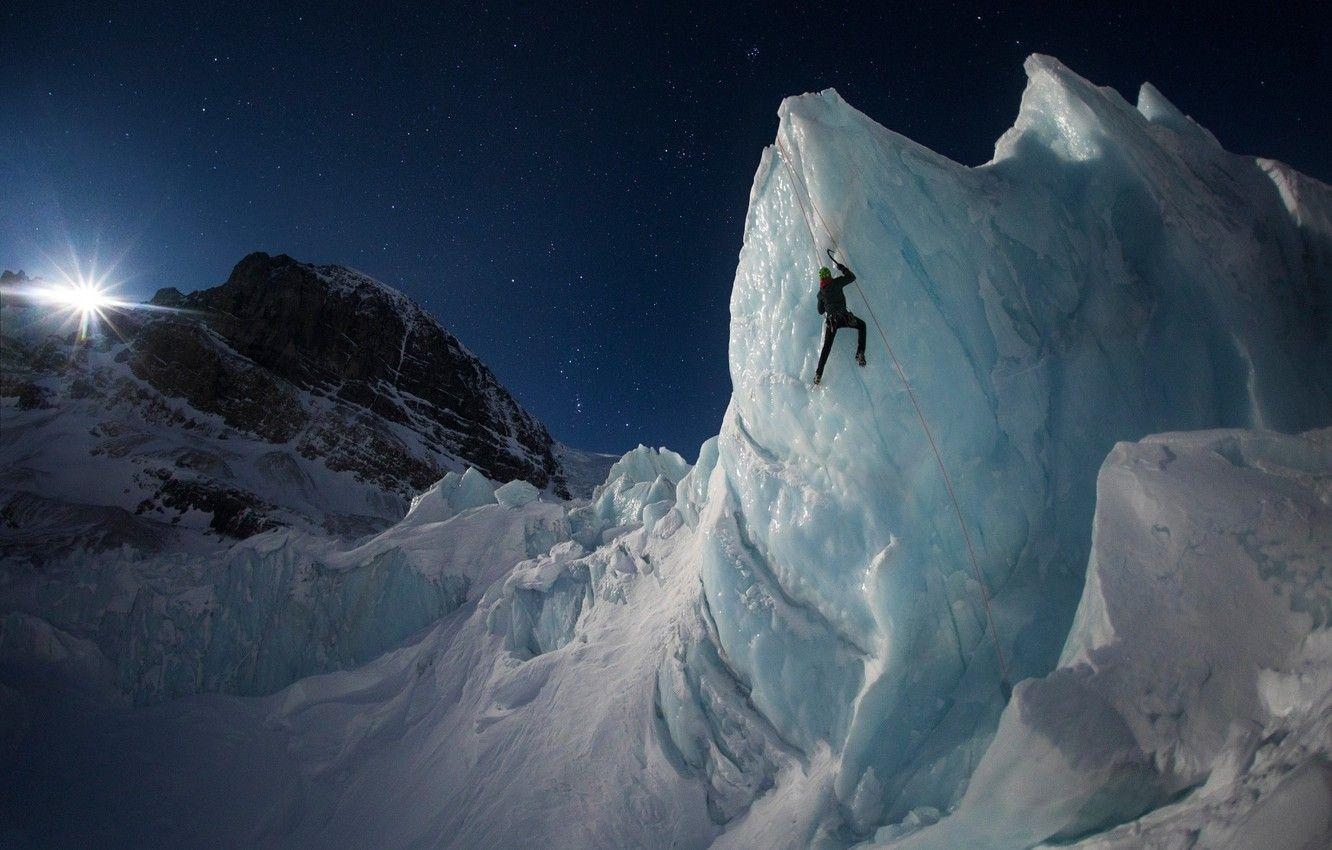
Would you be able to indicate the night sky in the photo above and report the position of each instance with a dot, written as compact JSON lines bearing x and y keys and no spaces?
{"x":563,"y":187}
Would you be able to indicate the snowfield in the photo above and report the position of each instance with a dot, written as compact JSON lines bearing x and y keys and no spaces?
{"x":1121,"y":337}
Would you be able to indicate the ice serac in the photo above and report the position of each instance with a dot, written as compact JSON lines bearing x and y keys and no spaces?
{"x":451,"y":495}
{"x":1198,"y":660}
{"x":280,"y":606}
{"x":1111,"y":273}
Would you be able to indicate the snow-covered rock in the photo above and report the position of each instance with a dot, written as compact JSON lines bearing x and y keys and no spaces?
{"x":291,"y":395}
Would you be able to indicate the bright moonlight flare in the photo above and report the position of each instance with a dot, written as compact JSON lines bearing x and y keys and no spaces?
{"x":85,"y":300}
{"x":84,"y":297}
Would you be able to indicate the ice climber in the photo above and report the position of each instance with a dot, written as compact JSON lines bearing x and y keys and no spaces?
{"x":832,"y":304}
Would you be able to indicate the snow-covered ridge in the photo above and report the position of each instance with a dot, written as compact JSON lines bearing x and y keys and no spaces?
{"x":334,"y":330}
{"x":348,"y":281}
{"x":345,"y":281}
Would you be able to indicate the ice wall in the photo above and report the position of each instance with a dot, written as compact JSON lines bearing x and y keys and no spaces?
{"x":1199,"y":646}
{"x":1111,"y":273}
{"x":282,"y":605}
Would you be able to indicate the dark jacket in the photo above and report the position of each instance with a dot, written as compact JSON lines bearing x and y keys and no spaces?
{"x":831,"y":298}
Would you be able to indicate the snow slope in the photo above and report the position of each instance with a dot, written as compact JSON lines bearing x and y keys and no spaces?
{"x":530,"y":710}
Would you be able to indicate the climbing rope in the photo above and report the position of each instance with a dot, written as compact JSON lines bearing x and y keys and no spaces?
{"x":1005,"y":686}
{"x":804,"y":214}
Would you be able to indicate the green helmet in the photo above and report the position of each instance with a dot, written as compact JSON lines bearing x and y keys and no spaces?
{"x":823,"y":272}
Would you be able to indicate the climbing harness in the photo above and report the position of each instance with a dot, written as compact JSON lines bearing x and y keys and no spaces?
{"x":1005,"y":687}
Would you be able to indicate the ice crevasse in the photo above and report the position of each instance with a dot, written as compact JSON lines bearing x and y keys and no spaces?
{"x":1111,"y":273}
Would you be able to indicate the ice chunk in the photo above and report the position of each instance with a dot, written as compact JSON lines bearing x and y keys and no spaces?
{"x":515,"y":494}
{"x":640,"y":478}
{"x":474,"y":490}
{"x":645,"y":464}
{"x":1209,"y":569}
{"x":452,"y":495}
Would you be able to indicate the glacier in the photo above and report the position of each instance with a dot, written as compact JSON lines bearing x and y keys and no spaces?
{"x":256,"y":616}
{"x":1120,"y":335}
{"x":504,"y":719}
{"x":1111,"y":273}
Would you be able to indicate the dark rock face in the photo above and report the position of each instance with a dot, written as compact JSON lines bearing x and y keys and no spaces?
{"x":338,"y":334}
{"x":178,"y":360}
{"x":167,"y":297}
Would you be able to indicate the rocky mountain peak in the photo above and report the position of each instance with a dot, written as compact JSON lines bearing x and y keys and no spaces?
{"x":290,"y":393}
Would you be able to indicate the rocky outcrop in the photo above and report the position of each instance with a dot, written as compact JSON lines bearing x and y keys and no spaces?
{"x":337,"y":333}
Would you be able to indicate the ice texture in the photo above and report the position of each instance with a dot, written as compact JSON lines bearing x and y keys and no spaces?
{"x":638,"y":489}
{"x":1209,"y":591}
{"x":452,"y":495}
{"x":515,"y":494}
{"x":527,"y":715}
{"x":280,"y":606}
{"x":1111,"y":273}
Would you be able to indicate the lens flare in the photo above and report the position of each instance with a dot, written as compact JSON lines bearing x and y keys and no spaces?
{"x":84,"y":297}
{"x":82,"y":300}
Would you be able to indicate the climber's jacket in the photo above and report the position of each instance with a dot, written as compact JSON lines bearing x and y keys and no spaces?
{"x":832,"y":300}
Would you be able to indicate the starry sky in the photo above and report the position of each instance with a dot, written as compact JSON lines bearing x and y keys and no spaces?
{"x":564,"y":186}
